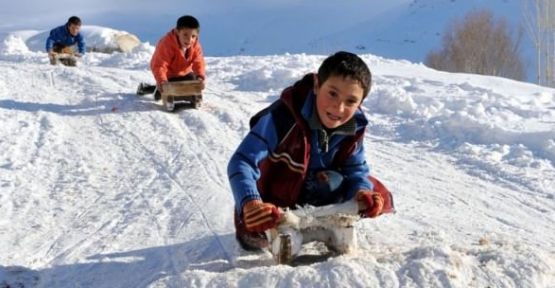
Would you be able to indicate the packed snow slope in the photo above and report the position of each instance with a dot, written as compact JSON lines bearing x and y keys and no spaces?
{"x":102,"y":188}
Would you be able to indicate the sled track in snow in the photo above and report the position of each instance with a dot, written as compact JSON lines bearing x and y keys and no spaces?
{"x":169,"y":125}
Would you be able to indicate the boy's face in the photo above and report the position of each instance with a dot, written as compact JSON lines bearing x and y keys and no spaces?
{"x":337,"y":100}
{"x":74,"y":29}
{"x":187,"y":37}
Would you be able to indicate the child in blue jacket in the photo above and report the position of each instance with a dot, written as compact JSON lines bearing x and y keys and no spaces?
{"x":306,"y":149}
{"x":63,"y":39}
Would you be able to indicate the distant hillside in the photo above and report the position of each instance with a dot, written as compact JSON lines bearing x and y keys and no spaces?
{"x":399,"y":29}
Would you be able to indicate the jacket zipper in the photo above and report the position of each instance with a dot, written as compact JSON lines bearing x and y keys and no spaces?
{"x":325,"y":141}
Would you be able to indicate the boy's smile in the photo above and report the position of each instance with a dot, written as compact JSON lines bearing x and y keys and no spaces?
{"x":187,"y":37}
{"x":337,"y":100}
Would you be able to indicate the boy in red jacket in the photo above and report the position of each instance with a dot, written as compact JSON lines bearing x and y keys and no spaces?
{"x":178,"y":56}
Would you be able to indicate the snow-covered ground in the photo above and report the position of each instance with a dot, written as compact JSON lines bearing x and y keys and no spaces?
{"x":102,"y":188}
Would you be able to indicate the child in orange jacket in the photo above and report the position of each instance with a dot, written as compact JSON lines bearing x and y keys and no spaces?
{"x":178,"y":56}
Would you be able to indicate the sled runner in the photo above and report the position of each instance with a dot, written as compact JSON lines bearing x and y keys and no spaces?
{"x":63,"y":58}
{"x":332,"y":225}
{"x":182,"y":92}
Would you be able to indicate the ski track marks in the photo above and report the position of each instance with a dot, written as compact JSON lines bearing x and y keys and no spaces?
{"x":170,"y":156}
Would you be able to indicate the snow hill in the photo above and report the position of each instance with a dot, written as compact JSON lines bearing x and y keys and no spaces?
{"x":406,"y":29}
{"x":102,"y":188}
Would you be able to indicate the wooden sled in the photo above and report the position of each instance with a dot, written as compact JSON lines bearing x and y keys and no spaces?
{"x":182,"y":92}
{"x":63,"y":58}
{"x":332,"y":225}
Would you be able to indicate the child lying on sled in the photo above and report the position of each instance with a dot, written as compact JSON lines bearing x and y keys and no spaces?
{"x":306,"y":149}
{"x":178,"y":56}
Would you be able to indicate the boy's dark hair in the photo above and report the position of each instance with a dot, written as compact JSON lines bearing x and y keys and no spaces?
{"x":347,"y":65}
{"x":187,"y":21}
{"x":74,"y":20}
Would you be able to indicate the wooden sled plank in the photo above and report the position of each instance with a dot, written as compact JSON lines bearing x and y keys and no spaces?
{"x":64,"y":56}
{"x":182,"y":88}
{"x":176,"y":92}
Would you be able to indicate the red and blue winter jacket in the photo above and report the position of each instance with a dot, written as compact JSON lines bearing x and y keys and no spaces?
{"x":282,"y":148}
{"x":62,"y":36}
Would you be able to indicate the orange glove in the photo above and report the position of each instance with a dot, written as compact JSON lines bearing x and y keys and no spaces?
{"x":370,"y":203}
{"x":259,"y":216}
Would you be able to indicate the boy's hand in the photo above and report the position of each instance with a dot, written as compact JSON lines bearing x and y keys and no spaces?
{"x":370,"y":203}
{"x":259,"y":216}
{"x":201,"y":79}
{"x":161,"y":85}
